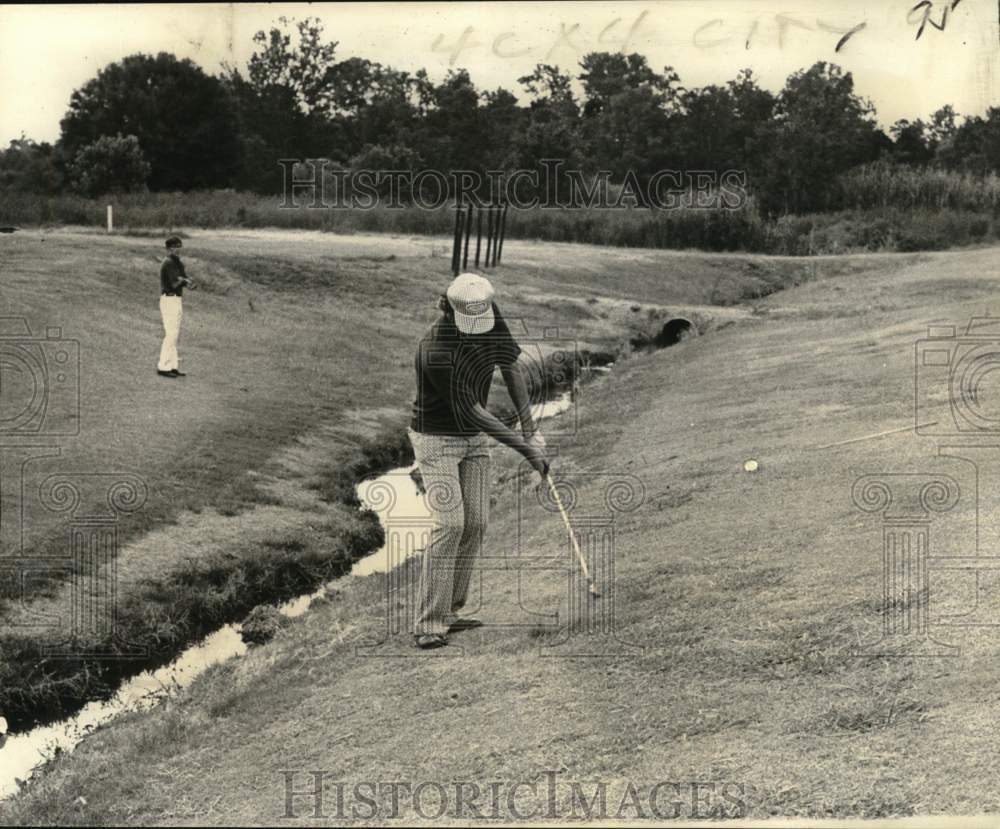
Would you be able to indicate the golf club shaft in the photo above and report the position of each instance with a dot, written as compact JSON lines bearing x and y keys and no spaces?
{"x":569,"y":528}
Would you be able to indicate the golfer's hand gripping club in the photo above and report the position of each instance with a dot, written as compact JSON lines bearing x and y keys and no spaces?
{"x":535,"y":455}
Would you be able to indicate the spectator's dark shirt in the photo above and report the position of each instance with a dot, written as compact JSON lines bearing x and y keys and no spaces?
{"x":454,"y":372}
{"x":172,"y":276}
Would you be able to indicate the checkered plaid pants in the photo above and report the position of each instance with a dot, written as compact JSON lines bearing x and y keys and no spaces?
{"x":456,"y":473}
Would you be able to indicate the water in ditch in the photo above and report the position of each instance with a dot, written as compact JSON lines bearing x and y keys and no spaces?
{"x":21,"y":754}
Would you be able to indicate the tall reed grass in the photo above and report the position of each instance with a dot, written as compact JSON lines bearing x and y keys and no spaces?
{"x":882,"y":207}
{"x":882,"y":184}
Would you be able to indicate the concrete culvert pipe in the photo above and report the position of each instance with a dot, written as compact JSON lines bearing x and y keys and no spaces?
{"x":673,"y":332}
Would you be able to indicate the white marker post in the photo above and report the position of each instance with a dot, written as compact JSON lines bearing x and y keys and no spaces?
{"x":111,"y":219}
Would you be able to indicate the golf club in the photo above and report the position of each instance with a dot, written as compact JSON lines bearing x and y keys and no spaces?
{"x":576,"y":547}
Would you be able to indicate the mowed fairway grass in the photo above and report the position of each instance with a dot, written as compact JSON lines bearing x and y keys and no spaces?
{"x":747,"y":591}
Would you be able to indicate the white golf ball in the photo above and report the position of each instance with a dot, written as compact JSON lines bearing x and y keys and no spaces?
{"x":750,"y":465}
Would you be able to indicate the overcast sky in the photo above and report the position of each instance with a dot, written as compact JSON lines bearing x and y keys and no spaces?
{"x":48,"y":51}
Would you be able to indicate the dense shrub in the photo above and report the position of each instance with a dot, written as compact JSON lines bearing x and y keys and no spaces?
{"x":262,"y":624}
{"x":112,"y":164}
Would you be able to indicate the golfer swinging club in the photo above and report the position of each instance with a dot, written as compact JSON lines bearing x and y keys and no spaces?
{"x":173,"y":281}
{"x":455,"y":362}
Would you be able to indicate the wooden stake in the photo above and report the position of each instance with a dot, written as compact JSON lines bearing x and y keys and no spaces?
{"x":503,"y":231}
{"x":479,"y":232}
{"x":468,"y":230}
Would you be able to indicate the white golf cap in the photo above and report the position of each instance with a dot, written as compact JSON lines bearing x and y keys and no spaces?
{"x":471,"y":298}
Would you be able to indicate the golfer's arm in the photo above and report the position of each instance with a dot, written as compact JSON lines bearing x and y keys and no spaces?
{"x":490,"y":424}
{"x":517,"y":387}
{"x":474,"y":413}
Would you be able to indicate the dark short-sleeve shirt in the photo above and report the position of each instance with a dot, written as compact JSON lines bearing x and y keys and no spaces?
{"x":171,"y":275}
{"x":454,"y":372}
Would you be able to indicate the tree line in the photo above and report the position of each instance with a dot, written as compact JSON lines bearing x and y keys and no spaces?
{"x":162,"y":123}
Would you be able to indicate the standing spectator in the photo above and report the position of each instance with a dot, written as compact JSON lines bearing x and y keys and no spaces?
{"x":173,"y":281}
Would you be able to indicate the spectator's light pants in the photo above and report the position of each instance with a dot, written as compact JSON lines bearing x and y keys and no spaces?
{"x":170,"y":311}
